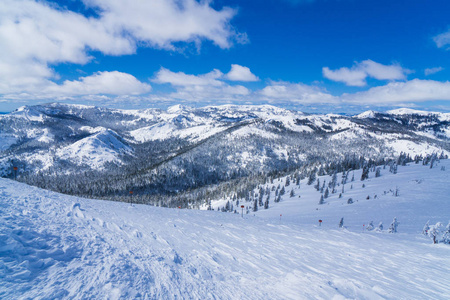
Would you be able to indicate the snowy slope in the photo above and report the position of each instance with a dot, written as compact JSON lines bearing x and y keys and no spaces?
{"x":57,"y":246}
{"x":96,"y":149}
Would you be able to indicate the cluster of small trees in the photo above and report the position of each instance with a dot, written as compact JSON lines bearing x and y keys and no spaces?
{"x":437,"y":232}
{"x":392,"y":227}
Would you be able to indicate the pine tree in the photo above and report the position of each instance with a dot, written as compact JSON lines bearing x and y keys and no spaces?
{"x":446,"y":237}
{"x":341,"y":223}
{"x":426,"y":228}
{"x":370,"y":226}
{"x":312,"y":177}
{"x":317,"y":185}
{"x":380,"y":226}
{"x":321,"y":201}
{"x":378,"y":172}
{"x":266,"y":203}
{"x":365,"y":173}
{"x":292,"y":194}
{"x":394,"y":225}
{"x":326,"y":194}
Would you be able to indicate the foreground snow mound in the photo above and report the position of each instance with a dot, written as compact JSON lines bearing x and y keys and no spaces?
{"x":56,"y":246}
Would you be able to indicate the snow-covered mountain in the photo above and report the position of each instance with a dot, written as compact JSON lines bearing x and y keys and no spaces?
{"x":54,"y":246}
{"x":167,"y":151}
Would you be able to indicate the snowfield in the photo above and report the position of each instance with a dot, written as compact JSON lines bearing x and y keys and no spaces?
{"x":55,"y":246}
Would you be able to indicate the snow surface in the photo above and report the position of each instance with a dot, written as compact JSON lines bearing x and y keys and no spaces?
{"x":96,"y":150}
{"x":408,"y":111}
{"x":58,"y":246}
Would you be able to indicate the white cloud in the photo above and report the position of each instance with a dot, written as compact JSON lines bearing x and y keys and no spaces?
{"x":203,"y":87}
{"x":442,"y":39}
{"x":109,"y":83}
{"x":415,"y":90}
{"x":240,"y":73}
{"x":351,"y":77}
{"x":182,"y":79}
{"x":35,"y":35}
{"x":163,"y":22}
{"x":430,"y":71}
{"x":295,"y":92}
{"x":356,"y":76}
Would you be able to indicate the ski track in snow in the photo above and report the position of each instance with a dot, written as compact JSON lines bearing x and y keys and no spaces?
{"x":56,"y":246}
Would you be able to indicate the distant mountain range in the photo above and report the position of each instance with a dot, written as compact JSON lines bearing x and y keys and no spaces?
{"x":181,"y":148}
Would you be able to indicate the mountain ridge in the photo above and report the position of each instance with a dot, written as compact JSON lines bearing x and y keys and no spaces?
{"x":182,"y":148}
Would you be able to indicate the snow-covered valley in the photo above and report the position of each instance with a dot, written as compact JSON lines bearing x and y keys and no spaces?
{"x":57,"y":246}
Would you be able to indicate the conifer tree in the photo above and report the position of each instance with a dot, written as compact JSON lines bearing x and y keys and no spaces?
{"x":255,"y":205}
{"x":394,"y":225}
{"x":321,"y":201}
{"x":426,"y":228}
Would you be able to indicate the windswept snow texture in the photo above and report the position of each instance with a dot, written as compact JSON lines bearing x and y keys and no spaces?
{"x":55,"y":246}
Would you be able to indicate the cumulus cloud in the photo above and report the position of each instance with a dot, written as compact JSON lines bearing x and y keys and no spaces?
{"x":163,"y":22}
{"x":182,"y":79}
{"x":240,"y":73}
{"x":109,"y":83}
{"x":203,"y":87}
{"x":357,"y":75}
{"x":442,"y":39}
{"x":430,"y":71}
{"x":415,"y":90}
{"x":35,"y":35}
{"x":295,"y":92}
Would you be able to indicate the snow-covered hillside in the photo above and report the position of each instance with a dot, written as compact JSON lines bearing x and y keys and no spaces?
{"x":183,"y":149}
{"x":55,"y":246}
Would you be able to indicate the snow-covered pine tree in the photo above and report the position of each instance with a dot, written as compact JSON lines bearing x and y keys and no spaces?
{"x":321,"y":201}
{"x":292,"y":194}
{"x":341,"y":222}
{"x":255,"y":205}
{"x":378,"y":172}
{"x":266,"y":203}
{"x":446,"y":237}
{"x":370,"y":227}
{"x":311,"y":177}
{"x":380,"y":226}
{"x":288,"y":181}
{"x":394,"y":225}
{"x":365,"y":173}
{"x":434,"y":231}
{"x":426,"y":228}
{"x":317,"y":185}
{"x":326,"y":194}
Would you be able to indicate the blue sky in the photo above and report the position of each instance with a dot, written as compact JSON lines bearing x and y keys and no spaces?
{"x":341,"y":56}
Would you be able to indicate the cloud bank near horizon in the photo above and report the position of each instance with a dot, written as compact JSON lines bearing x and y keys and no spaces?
{"x":62,"y":36}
